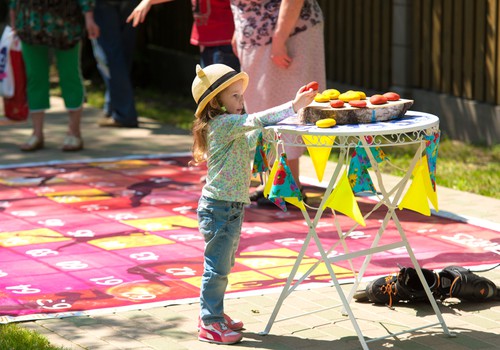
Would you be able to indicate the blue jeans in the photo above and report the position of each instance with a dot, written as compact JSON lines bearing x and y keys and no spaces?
{"x":220,"y":224}
{"x":113,"y":51}
{"x":220,"y":54}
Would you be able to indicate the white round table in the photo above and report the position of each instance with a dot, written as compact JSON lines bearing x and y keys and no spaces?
{"x":412,"y":129}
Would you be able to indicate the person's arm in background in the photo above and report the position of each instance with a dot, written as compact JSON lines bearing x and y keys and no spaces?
{"x":87,"y":7}
{"x":138,"y":15}
{"x":12,"y":14}
{"x":93,"y":30}
{"x":287,"y":18}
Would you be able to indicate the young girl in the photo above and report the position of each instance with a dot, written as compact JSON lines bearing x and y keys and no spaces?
{"x":220,"y":139}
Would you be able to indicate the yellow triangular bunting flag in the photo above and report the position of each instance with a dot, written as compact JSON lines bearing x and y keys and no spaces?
{"x":295,"y":201}
{"x":270,"y":179}
{"x":426,"y":176}
{"x":319,"y":155}
{"x":423,"y":166}
{"x":416,"y":197}
{"x":342,"y":200}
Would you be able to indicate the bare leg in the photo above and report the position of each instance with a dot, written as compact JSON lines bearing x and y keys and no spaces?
{"x":37,"y":119}
{"x":75,"y":117}
{"x":73,"y":141}
{"x":35,"y":142}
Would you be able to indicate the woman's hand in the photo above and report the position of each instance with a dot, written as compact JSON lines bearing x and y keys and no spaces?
{"x":92,"y":28}
{"x":287,"y":18}
{"x":279,"y":53}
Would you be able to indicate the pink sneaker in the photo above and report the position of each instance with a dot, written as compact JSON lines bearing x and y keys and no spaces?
{"x":234,"y":325}
{"x":218,"y":333}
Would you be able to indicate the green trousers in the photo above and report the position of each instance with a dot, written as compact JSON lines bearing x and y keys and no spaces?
{"x":37,"y":62}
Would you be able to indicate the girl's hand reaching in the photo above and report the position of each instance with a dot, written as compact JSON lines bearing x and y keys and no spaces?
{"x":304,"y":96}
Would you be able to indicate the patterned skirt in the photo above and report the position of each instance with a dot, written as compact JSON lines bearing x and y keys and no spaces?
{"x":271,"y":85}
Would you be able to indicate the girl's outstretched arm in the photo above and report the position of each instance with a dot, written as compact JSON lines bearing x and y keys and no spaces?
{"x":303,"y":97}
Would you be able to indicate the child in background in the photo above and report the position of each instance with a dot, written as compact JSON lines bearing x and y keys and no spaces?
{"x":220,"y":138}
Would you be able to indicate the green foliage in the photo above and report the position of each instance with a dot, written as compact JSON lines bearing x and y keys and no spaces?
{"x":14,"y":337}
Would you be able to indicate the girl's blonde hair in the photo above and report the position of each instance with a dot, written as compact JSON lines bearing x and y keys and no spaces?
{"x":200,"y":130}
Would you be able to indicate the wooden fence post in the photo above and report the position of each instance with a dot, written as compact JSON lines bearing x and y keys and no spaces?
{"x":401,"y":48}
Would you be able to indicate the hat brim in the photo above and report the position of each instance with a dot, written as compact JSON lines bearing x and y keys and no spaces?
{"x":203,"y":103}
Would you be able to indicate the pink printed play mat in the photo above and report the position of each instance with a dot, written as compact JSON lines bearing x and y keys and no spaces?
{"x":110,"y":235}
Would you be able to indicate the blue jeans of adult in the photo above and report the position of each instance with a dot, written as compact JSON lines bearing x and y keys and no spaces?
{"x":113,"y":51}
{"x":219,"y":54}
{"x":220,"y":224}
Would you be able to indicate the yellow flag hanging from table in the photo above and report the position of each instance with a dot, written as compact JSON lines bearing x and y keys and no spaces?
{"x":423,"y":164}
{"x":416,"y":197}
{"x":269,"y":182}
{"x":267,"y":188}
{"x":295,"y":201}
{"x":319,"y":155}
{"x":342,"y":200}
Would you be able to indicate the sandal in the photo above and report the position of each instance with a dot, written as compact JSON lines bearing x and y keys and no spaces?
{"x":72,"y":144}
{"x":34,"y":143}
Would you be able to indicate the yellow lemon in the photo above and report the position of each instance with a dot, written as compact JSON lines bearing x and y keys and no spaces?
{"x":333,"y":94}
{"x":349,"y":96}
{"x":326,"y":123}
{"x":321,"y":98}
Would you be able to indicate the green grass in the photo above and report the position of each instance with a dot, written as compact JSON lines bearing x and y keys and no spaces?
{"x":460,"y":166}
{"x":14,"y":337}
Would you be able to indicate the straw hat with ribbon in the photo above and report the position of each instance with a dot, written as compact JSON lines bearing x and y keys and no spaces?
{"x":211,"y":80}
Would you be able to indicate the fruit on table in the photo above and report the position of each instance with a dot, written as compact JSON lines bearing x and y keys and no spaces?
{"x":332,"y":93}
{"x":321,"y":98}
{"x":326,"y":123}
{"x":392,"y":96}
{"x":378,"y":99}
{"x":337,"y":103}
{"x":312,"y":85}
{"x":362,"y":95}
{"x":349,"y":96}
{"x":358,"y":103}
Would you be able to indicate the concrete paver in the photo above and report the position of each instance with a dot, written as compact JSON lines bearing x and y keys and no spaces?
{"x":174,"y":327}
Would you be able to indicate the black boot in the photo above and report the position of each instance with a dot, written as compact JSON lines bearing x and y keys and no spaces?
{"x":459,"y":282}
{"x":405,"y":286}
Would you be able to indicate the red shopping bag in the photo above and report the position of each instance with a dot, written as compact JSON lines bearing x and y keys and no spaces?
{"x":16,"y":107}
